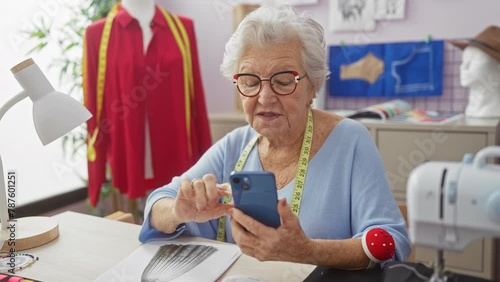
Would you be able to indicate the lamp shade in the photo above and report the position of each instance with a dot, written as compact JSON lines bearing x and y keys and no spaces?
{"x":54,"y":113}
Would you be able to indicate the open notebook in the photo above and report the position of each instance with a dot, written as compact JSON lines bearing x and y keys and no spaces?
{"x":174,"y":261}
{"x":401,"y":111}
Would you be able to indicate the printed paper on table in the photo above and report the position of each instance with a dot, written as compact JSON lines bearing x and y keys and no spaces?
{"x":400,"y":111}
{"x":174,"y":261}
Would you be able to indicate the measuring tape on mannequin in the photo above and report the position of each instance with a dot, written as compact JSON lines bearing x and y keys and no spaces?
{"x":300,"y":177}
{"x":182,"y":40}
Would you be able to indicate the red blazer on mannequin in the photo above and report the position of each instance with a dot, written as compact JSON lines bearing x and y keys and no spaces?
{"x":142,"y":87}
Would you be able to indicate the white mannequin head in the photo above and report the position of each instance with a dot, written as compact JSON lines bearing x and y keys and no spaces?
{"x":142,"y":10}
{"x":481,"y":73}
{"x":477,"y":67}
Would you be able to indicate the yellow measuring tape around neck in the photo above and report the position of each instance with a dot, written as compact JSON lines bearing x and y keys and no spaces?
{"x":181,"y":37}
{"x":300,"y":176}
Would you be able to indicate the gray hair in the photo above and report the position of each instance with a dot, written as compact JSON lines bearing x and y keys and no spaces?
{"x":269,"y":25}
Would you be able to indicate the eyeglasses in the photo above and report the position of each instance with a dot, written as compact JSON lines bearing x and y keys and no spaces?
{"x":282,"y":83}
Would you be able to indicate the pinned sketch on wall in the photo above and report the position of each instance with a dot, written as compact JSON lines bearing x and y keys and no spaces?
{"x":390,"y":9}
{"x":277,"y":2}
{"x":352,"y":15}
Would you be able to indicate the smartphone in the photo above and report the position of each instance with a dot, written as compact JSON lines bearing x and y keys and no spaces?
{"x":254,"y":193}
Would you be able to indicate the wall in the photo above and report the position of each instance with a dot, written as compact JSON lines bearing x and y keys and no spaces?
{"x":442,"y":19}
{"x":213,"y":22}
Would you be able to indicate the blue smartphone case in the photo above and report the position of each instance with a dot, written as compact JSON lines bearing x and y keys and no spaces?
{"x":254,"y":193}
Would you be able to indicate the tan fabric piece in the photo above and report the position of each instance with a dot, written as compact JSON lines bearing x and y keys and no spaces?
{"x":368,"y":68}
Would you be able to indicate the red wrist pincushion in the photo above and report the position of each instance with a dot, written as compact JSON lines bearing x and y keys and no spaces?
{"x":378,"y":244}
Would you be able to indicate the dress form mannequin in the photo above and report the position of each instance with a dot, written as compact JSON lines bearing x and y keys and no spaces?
{"x":481,"y":73}
{"x":143,"y":11}
{"x":138,"y":98}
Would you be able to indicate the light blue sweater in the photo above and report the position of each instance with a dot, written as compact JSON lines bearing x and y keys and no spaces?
{"x":345,"y":192}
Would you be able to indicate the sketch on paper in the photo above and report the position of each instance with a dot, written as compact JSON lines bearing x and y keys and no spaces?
{"x":172,"y":261}
{"x":352,"y":15}
{"x":390,"y":9}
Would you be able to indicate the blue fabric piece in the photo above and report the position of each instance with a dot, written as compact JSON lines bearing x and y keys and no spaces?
{"x":411,"y":69}
{"x":416,"y":69}
{"x":345,"y":193}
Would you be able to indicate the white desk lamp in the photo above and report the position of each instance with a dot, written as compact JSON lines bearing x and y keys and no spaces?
{"x":54,"y":115}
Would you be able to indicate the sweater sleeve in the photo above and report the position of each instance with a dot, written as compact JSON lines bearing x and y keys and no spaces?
{"x":372,"y":203}
{"x":213,"y":161}
{"x":218,"y":160}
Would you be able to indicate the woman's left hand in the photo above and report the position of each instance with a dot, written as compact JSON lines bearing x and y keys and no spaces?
{"x":286,"y":243}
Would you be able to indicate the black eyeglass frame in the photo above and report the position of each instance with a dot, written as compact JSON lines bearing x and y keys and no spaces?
{"x":295,"y":73}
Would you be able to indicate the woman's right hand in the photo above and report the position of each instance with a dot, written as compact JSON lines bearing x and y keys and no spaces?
{"x":196,"y":201}
{"x":199,"y":200}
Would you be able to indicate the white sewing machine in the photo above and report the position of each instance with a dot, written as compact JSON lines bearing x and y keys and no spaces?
{"x":451,"y":204}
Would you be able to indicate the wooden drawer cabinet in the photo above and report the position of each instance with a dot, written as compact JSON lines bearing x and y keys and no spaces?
{"x":403,"y":150}
{"x":221,"y":124}
{"x":403,"y":147}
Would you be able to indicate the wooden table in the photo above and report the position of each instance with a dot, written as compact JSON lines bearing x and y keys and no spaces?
{"x":87,"y":246}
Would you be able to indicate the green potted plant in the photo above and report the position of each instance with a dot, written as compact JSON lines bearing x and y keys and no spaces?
{"x":68,"y":39}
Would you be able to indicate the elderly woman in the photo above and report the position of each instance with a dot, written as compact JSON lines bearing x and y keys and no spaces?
{"x":276,"y":59}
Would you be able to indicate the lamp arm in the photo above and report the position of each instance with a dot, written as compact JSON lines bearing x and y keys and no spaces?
{"x":3,"y":196}
{"x":14,"y":100}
